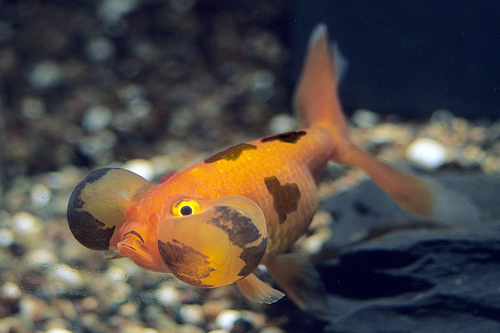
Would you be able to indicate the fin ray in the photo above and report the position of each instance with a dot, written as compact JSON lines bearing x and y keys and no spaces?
{"x":256,"y":290}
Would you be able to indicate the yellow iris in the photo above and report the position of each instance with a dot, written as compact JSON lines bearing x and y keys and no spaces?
{"x":184,"y":207}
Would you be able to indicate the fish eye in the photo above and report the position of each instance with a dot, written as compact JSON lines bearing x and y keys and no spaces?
{"x":186,"y":210}
{"x":185,"y":207}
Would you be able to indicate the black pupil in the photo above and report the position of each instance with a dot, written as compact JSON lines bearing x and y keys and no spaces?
{"x":186,"y":210}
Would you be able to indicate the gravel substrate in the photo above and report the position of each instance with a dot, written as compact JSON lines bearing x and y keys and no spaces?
{"x":155,"y":86}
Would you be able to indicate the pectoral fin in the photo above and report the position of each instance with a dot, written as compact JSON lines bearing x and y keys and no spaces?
{"x":301,"y":282}
{"x":256,"y":290}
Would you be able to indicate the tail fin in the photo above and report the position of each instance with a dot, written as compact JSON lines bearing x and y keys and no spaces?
{"x":316,"y":100}
{"x":318,"y":105}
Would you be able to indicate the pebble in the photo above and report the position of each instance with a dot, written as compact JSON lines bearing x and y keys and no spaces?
{"x":32,"y":107}
{"x":192,"y":314}
{"x":365,"y":118}
{"x":426,"y":153}
{"x":167,"y":295}
{"x":40,"y":258}
{"x":100,"y":49}
{"x":65,"y":277}
{"x":6,"y":237}
{"x":58,"y":330}
{"x":97,"y":118}
{"x":227,"y":318}
{"x":282,"y":123}
{"x":182,"y":6}
{"x":40,"y":195}
{"x":143,"y":168}
{"x":45,"y":75}
{"x":10,"y":290}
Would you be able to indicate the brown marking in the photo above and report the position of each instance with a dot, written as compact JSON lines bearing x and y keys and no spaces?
{"x":186,"y":263}
{"x":230,"y":154}
{"x":240,"y":229}
{"x":88,"y":230}
{"x":288,"y":137}
{"x":252,"y":257}
{"x":285,"y":197}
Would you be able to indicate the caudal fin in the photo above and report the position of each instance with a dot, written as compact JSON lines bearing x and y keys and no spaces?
{"x":316,"y":100}
{"x":318,"y":105}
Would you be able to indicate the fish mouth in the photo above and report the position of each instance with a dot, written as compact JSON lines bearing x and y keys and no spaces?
{"x":134,"y":247}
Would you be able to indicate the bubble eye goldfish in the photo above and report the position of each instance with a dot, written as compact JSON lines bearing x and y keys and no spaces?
{"x":215,"y":222}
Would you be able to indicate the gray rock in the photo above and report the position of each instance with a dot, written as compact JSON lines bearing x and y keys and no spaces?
{"x":401,"y":274}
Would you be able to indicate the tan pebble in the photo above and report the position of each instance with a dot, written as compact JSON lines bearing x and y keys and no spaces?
{"x":472,"y":155}
{"x":89,"y":304}
{"x":190,"y":328}
{"x":192,"y":314}
{"x":491,"y":164}
{"x":10,"y":290}
{"x":271,"y":330}
{"x":11,"y":324}
{"x":128,"y":310}
{"x":212,"y":308}
{"x":40,"y":258}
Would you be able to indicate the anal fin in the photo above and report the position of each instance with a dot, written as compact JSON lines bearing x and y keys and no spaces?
{"x":256,"y":290}
{"x":301,"y":282}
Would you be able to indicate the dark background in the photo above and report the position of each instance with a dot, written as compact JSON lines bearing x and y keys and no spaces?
{"x":411,"y":58}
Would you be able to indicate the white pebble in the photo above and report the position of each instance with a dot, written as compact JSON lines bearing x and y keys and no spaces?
{"x":116,"y":273}
{"x":11,"y":290}
{"x":66,"y":275}
{"x":426,"y":153}
{"x":282,"y":123}
{"x":40,"y":195}
{"x":168,"y":295}
{"x":226,"y":319}
{"x":25,"y":223}
{"x":100,"y":49}
{"x":182,"y":6}
{"x":40,"y":257}
{"x":192,"y":314}
{"x":58,"y":330}
{"x":97,"y":118}
{"x":112,"y":10}
{"x":141,"y":167}
{"x":6,"y":237}
{"x":46,"y":74}
{"x":365,"y":118}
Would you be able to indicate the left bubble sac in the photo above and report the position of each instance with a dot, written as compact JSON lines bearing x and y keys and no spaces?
{"x":97,"y":206}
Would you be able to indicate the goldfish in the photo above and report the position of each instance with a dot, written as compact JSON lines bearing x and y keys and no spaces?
{"x":215,"y":222}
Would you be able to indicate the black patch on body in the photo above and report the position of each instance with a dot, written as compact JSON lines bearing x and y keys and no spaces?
{"x":252,"y":257}
{"x":88,"y":230}
{"x":230,"y":154}
{"x":288,"y":137}
{"x":285,"y":197}
{"x":240,"y":229}
{"x":186,"y":263}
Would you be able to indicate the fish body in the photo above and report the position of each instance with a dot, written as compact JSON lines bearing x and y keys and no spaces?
{"x":213,"y":223}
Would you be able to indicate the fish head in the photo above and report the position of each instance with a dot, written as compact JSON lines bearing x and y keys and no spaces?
{"x":212,"y":243}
